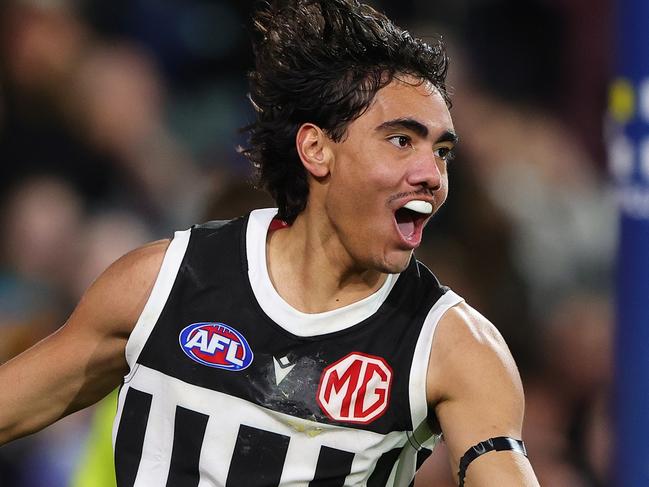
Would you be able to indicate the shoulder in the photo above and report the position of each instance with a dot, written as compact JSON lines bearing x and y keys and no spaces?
{"x":143,"y":261}
{"x":470,"y":357}
{"x":463,"y":329}
{"x":135,"y":269}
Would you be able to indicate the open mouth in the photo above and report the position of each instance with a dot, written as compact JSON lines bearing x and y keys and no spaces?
{"x":410,"y":219}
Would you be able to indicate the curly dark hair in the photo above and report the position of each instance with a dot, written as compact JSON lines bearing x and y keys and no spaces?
{"x":322,"y":61}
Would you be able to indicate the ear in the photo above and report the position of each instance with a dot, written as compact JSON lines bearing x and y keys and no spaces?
{"x":312,"y":147}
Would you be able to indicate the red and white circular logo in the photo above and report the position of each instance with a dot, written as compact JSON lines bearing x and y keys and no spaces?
{"x":356,"y":388}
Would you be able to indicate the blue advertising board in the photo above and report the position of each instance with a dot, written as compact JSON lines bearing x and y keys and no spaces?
{"x":629,"y":164}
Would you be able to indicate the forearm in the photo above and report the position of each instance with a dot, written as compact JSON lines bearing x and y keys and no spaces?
{"x":36,"y":390}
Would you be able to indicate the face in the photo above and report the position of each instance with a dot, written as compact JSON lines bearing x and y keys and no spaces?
{"x":394,"y":155}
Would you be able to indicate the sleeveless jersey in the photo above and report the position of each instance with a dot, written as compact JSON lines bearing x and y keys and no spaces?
{"x":229,"y":386}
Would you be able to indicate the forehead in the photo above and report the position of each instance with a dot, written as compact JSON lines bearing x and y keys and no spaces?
{"x":408,"y":98}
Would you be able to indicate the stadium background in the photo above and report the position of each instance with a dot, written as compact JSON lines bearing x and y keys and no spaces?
{"x":118,"y":124}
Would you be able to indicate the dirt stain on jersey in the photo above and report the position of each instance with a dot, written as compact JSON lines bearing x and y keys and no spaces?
{"x":304,"y":427}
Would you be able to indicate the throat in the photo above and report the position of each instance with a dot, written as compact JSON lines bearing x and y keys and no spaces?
{"x":310,"y":284}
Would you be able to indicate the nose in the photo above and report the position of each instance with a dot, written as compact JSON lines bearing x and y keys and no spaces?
{"x":426,"y":173}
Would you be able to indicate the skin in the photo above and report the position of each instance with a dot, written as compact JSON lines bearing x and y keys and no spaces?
{"x":340,"y":249}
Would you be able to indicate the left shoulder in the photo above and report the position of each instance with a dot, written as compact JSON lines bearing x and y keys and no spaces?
{"x":466,"y":350}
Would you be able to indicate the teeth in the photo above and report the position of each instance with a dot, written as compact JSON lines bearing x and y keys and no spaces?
{"x":419,"y":206}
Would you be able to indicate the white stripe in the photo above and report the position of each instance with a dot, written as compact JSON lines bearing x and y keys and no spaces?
{"x":158,"y":441}
{"x":421,"y":357}
{"x":302,"y":459}
{"x":216,"y":452}
{"x":159,"y":294}
{"x":405,"y":467}
{"x":118,"y":415}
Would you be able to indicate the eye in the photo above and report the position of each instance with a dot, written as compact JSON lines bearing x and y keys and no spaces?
{"x":401,"y":141}
{"x":445,"y":153}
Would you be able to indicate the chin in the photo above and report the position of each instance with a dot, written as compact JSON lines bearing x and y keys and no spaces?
{"x":395,"y":264}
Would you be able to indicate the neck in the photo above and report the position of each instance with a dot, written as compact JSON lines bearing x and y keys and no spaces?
{"x":310,"y":268}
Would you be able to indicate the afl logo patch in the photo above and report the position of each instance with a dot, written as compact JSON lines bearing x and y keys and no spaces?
{"x":216,"y":345}
{"x":356,"y":388}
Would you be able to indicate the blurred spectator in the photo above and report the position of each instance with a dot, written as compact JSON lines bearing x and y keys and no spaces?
{"x":44,"y":215}
{"x":535,"y":172}
{"x":93,"y":113}
{"x":117,"y":101}
{"x":41,"y":44}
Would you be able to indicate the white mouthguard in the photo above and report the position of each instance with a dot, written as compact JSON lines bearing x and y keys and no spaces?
{"x":419,"y":206}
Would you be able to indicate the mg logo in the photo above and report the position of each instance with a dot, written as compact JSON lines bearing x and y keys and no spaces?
{"x":356,"y":388}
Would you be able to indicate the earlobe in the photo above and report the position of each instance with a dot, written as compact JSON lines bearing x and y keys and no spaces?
{"x":311,"y":144}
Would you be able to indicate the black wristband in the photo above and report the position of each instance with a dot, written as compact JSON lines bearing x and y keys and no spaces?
{"x":492,"y":444}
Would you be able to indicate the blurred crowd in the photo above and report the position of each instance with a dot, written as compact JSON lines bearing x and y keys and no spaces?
{"x":118,"y":125}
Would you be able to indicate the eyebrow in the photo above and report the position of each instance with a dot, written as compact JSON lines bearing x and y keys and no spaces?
{"x":418,"y":128}
{"x":448,"y":136}
{"x":404,"y":123}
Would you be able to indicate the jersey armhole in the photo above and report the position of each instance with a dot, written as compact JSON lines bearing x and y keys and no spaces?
{"x":419,"y":369}
{"x":153,"y":308}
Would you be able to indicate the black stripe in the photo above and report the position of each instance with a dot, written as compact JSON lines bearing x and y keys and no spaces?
{"x":332,"y":468}
{"x":189,"y":431}
{"x":383,"y":468}
{"x":422,"y":456}
{"x":130,"y":436}
{"x":258,"y":458}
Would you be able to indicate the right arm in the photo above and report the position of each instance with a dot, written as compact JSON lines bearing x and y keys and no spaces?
{"x":85,"y":359}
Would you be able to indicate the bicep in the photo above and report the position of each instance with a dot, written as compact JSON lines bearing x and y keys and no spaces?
{"x":477,"y":394}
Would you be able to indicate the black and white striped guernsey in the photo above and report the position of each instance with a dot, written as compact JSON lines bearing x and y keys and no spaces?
{"x":231,"y":386}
